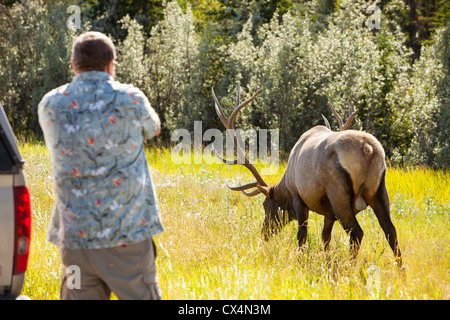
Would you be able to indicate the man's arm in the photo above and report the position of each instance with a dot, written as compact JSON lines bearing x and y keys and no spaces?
{"x":150,"y":122}
{"x":46,"y":121}
{"x":158,"y":126}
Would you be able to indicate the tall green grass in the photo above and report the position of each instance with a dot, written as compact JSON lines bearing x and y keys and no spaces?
{"x":212,"y":248}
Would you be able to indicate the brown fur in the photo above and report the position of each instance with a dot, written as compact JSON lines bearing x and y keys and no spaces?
{"x":335,"y":174}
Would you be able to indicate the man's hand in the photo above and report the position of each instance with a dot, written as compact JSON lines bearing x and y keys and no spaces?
{"x":158,"y":126}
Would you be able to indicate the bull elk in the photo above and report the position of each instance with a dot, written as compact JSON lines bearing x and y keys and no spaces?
{"x":335,"y":174}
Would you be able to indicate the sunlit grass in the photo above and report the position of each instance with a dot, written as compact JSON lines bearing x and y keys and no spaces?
{"x":212,"y":248}
{"x":419,"y":184}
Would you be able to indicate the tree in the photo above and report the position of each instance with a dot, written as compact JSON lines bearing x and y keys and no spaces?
{"x":34,"y":58}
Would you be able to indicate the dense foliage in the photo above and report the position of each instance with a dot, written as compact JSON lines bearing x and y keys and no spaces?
{"x":300,"y":53}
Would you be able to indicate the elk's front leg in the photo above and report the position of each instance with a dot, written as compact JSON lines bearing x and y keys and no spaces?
{"x":326,"y":232}
{"x":302,"y":213}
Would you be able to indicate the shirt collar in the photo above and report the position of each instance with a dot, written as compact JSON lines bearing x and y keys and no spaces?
{"x":92,"y":75}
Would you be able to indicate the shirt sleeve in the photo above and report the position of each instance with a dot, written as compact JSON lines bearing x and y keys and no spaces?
{"x":47,"y":121}
{"x":149,"y":119}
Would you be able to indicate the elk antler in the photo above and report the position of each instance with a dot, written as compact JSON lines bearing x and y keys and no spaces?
{"x":351,"y":116}
{"x":229,"y":124}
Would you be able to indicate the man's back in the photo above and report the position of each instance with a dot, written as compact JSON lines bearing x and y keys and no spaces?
{"x":94,"y":128}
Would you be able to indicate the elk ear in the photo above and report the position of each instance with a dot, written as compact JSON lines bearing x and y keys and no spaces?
{"x":265,"y":190}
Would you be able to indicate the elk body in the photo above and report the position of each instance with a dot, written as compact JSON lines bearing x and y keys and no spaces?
{"x":335,"y":174}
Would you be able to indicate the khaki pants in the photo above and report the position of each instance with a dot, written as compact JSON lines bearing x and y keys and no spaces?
{"x":92,"y":274}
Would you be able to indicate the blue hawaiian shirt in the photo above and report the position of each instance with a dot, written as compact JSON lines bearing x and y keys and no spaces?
{"x":94,"y":128}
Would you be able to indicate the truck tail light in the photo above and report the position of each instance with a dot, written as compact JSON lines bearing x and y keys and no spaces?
{"x":22,"y":205}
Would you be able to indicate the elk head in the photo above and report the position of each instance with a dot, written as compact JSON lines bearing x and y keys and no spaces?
{"x":277,"y":205}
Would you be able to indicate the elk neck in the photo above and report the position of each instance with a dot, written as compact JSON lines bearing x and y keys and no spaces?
{"x":280,"y":193}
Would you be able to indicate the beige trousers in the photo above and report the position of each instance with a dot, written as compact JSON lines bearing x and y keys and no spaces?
{"x":92,"y":274}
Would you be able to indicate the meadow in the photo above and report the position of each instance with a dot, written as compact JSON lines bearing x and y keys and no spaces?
{"x":212,"y":247}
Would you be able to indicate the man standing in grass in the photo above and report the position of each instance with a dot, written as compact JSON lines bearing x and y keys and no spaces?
{"x":106,"y":209}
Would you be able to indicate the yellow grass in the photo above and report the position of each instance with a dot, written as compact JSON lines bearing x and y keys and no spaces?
{"x":212,"y":249}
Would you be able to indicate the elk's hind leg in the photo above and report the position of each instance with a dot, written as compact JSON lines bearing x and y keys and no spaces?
{"x":345,"y":215}
{"x":381,"y":206}
{"x":341,"y":196}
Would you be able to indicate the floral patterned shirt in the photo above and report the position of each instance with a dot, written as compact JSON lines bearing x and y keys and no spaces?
{"x":94,"y":128}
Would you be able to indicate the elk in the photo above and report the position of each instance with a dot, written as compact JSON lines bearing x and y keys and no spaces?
{"x":335,"y":174}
